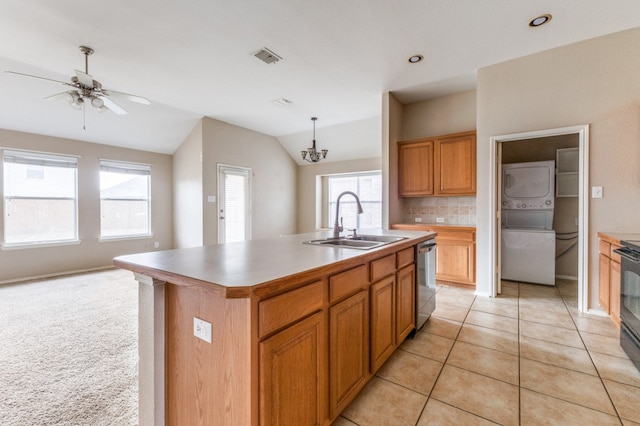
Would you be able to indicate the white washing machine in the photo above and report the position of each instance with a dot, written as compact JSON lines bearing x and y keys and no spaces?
{"x":528,"y":239}
{"x":529,"y":255}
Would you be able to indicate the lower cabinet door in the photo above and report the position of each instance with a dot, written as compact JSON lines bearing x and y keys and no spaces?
{"x":614,"y":300}
{"x":348,"y":350}
{"x":383,"y":324}
{"x":604,"y":287}
{"x":292,"y":379}
{"x":405,"y":303}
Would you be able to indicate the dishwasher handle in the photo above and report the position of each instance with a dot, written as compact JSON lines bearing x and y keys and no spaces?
{"x":426,"y":247}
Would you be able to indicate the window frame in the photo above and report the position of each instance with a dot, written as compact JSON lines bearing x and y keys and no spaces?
{"x":126,"y":167}
{"x":37,"y":158}
{"x":328,"y":206}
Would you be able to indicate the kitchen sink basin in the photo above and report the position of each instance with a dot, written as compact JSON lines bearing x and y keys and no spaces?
{"x":360,"y":242}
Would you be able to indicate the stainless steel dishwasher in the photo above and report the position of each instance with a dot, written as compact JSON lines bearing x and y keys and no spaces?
{"x":425,"y":281}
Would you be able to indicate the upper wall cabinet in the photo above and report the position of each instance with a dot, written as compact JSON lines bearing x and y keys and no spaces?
{"x":415,"y":168}
{"x":444,"y":165}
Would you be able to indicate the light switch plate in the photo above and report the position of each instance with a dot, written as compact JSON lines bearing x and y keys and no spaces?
{"x":202,"y":329}
{"x":211,"y":198}
{"x":596,"y":192}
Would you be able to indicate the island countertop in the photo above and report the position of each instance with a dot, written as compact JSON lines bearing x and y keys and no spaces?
{"x":235,"y":270}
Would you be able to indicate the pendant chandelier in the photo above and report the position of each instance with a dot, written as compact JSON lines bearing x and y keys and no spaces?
{"x":312,"y":155}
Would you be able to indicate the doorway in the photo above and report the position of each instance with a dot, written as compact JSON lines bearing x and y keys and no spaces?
{"x":497,"y":145}
{"x":234,"y":203}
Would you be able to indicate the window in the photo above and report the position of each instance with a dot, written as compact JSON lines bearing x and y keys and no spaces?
{"x":40,"y":198}
{"x":368,"y":186}
{"x":124,"y":199}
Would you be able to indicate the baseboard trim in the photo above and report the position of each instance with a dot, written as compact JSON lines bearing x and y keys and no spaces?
{"x":56,"y":274}
{"x":567,"y":277}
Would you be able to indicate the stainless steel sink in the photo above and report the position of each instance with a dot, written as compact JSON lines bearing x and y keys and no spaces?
{"x":361,"y":242}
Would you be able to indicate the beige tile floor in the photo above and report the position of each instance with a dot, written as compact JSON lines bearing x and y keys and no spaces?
{"x":527,"y":357}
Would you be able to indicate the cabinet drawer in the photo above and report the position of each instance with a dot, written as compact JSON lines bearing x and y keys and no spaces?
{"x":613,"y":255}
{"x":286,"y":308}
{"x":405,"y":257}
{"x":456,"y":235}
{"x":605,"y":248}
{"x":347,"y":282}
{"x":382,"y":267}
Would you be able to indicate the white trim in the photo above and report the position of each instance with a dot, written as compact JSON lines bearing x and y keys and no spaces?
{"x":56,"y":274}
{"x":583,"y":205}
{"x":125,"y":237}
{"x":238,"y":170}
{"x":52,"y":154}
{"x":567,"y":277}
{"x":23,"y":246}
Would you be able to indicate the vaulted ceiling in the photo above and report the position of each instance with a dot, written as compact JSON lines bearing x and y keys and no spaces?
{"x":196,"y":58}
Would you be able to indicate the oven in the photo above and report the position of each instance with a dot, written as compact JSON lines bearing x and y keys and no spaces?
{"x":630,"y":299}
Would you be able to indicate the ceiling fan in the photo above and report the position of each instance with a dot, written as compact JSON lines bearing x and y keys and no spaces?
{"x":86,"y":90}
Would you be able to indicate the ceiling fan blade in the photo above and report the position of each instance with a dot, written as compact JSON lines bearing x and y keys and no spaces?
{"x":127,"y":96}
{"x":38,"y":77}
{"x":112,"y":106}
{"x":84,"y":78}
{"x":63,"y":95}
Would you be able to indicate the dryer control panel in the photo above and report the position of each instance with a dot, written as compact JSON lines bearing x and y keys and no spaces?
{"x":537,"y":204}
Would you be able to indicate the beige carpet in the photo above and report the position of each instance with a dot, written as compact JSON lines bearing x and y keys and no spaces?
{"x":69,"y":351}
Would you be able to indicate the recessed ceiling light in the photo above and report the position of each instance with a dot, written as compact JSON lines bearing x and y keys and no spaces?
{"x":540,"y":20}
{"x":415,"y":59}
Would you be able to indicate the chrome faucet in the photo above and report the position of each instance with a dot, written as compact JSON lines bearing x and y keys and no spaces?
{"x":338,"y":227}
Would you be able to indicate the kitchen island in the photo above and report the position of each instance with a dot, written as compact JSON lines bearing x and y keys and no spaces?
{"x":268,"y":331}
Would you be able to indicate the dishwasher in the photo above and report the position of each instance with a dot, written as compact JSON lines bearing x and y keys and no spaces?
{"x":425,"y":281}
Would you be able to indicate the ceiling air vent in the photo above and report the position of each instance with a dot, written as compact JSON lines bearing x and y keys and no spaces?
{"x":267,"y":56}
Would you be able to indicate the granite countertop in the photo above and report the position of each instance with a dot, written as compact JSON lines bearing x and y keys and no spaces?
{"x":242,"y":265}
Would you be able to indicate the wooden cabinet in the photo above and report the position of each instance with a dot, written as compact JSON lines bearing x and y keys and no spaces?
{"x":609,"y":277}
{"x":604,"y":273}
{"x":444,"y":165}
{"x":383,"y":321}
{"x":614,"y":281}
{"x":297,"y":352}
{"x":349,"y":350}
{"x":415,"y":168}
{"x":456,"y":165}
{"x":292,"y":376}
{"x":456,"y":256}
{"x":405,"y":303}
{"x":455,"y":251}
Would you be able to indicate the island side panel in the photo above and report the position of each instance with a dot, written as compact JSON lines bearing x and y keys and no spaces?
{"x":207,"y":383}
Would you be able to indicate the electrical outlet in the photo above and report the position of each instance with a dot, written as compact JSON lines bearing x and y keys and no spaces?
{"x":417,"y":219}
{"x":156,"y":244}
{"x":202,"y":329}
{"x":440,"y":220}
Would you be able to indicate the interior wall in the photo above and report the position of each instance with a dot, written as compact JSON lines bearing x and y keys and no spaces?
{"x":594,"y":82}
{"x":440,"y":116}
{"x":392,"y":111}
{"x":566,"y":208}
{"x":274,"y":175}
{"x":309,"y":203}
{"x":90,"y":253}
{"x":187,"y":190}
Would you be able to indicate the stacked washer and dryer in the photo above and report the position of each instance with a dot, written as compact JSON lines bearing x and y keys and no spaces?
{"x":528,"y":239}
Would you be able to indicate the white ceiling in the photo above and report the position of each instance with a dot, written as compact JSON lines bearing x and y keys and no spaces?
{"x":194,"y":59}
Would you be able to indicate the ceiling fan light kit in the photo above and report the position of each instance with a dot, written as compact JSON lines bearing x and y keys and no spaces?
{"x":86,"y":90}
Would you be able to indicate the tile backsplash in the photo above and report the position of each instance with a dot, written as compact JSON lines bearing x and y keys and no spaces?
{"x":454,"y":210}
